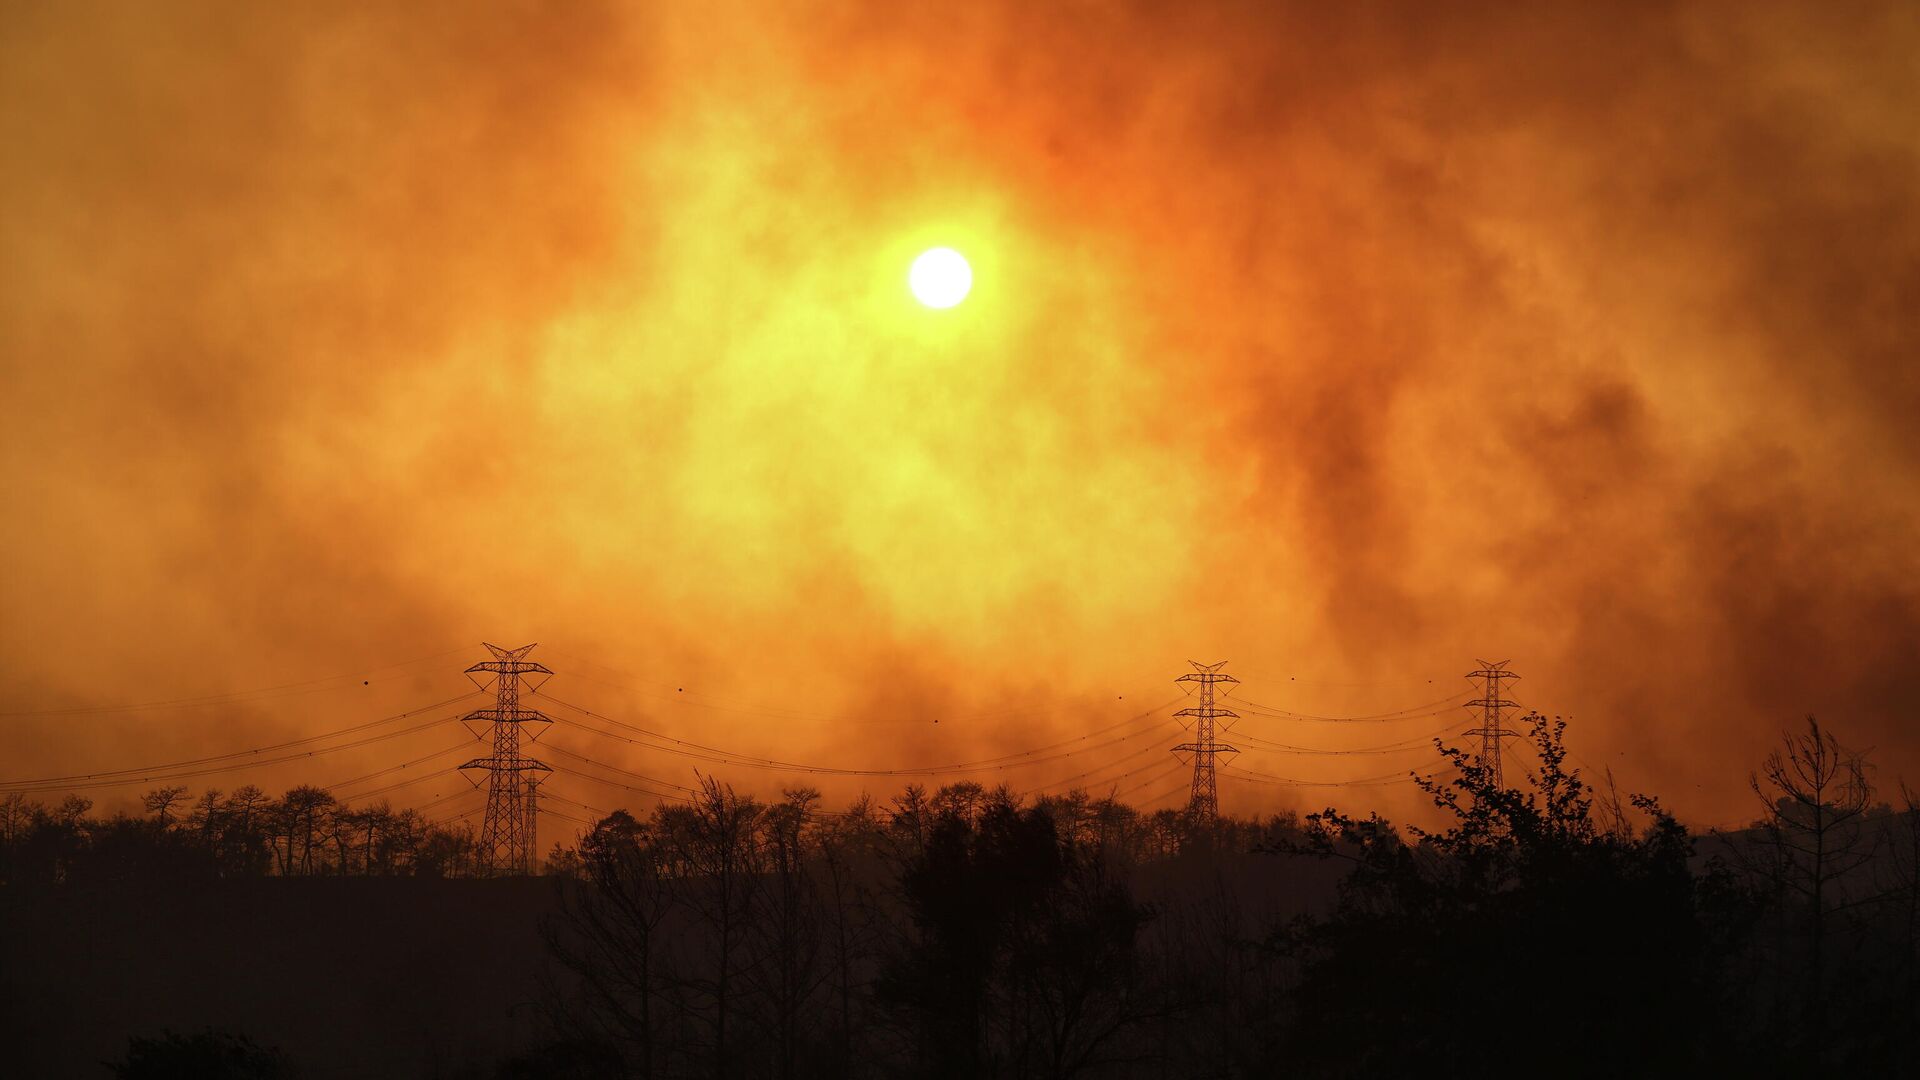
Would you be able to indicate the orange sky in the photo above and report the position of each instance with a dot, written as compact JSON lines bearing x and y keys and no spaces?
{"x":1347,"y":343}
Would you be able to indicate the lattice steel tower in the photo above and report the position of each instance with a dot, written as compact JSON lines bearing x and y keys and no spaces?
{"x":513,"y":779}
{"x":1203,"y":804}
{"x":1490,"y":703}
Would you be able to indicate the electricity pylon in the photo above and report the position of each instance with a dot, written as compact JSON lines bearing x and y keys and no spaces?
{"x":513,"y":779}
{"x":1490,"y":703}
{"x":1203,"y":802}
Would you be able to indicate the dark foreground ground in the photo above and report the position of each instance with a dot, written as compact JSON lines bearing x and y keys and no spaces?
{"x":371,"y":977}
{"x":349,"y":976}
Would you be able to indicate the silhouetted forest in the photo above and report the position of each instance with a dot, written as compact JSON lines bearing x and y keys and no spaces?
{"x":244,"y":834}
{"x":1550,"y":926}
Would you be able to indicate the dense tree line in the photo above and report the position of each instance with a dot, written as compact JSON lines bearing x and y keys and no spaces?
{"x":963,"y":932}
{"x":958,"y":932}
{"x":245,"y":833}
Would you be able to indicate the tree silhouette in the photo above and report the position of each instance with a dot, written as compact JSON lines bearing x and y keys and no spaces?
{"x":206,"y":820}
{"x":785,"y":925}
{"x":1023,"y":962}
{"x":716,"y":840}
{"x":966,"y":932}
{"x":160,"y":803}
{"x":245,"y":848}
{"x":1814,"y":796}
{"x":608,"y":934}
{"x":306,"y":816}
{"x":1524,"y":924}
{"x":72,"y":810}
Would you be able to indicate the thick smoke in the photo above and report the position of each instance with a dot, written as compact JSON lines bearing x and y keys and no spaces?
{"x":1348,"y":343}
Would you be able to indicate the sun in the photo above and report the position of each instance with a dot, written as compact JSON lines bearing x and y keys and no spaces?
{"x":940,"y":277}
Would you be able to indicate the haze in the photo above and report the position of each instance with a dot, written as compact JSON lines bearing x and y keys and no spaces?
{"x":1347,"y":345}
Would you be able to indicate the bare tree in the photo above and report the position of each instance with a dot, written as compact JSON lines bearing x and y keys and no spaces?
{"x":853,"y":925}
{"x":205,"y":820}
{"x":401,"y":840}
{"x":717,"y":843}
{"x":962,"y":800}
{"x":910,"y":817}
{"x":308,"y":812}
{"x":246,"y":841}
{"x":16,"y":813}
{"x":160,"y":803}
{"x":609,"y":934}
{"x":16,"y":818}
{"x":372,"y":823}
{"x":785,"y":925}
{"x":71,"y":810}
{"x":1814,"y":796}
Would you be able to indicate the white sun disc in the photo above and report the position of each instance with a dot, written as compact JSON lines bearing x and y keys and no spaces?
{"x":940,"y":277}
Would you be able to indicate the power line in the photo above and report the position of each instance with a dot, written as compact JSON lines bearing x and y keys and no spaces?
{"x":444,"y":822}
{"x":1174,"y":790}
{"x":1415,"y":712}
{"x":232,"y":697}
{"x":678,"y":695}
{"x":664,"y":796}
{"x":1154,"y":779}
{"x":573,"y":802}
{"x":1096,"y":769}
{"x":1402,"y":746}
{"x":597,"y":763}
{"x":1514,"y":756}
{"x":56,"y":780}
{"x":393,"y":769}
{"x":1396,"y":777}
{"x":1343,"y":683}
{"x":616,"y":783}
{"x":731,"y":757}
{"x":1011,"y":761}
{"x":695,"y":750}
{"x":449,"y":796}
{"x":409,"y":782}
{"x":189,"y":774}
{"x":568,"y":817}
{"x":513,"y":781}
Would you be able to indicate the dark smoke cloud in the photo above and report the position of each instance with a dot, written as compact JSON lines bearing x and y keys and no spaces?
{"x":1349,"y":343}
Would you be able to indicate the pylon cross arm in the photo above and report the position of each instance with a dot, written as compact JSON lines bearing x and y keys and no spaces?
{"x":511,"y":667}
{"x":508,"y":716}
{"x":496,"y":765}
